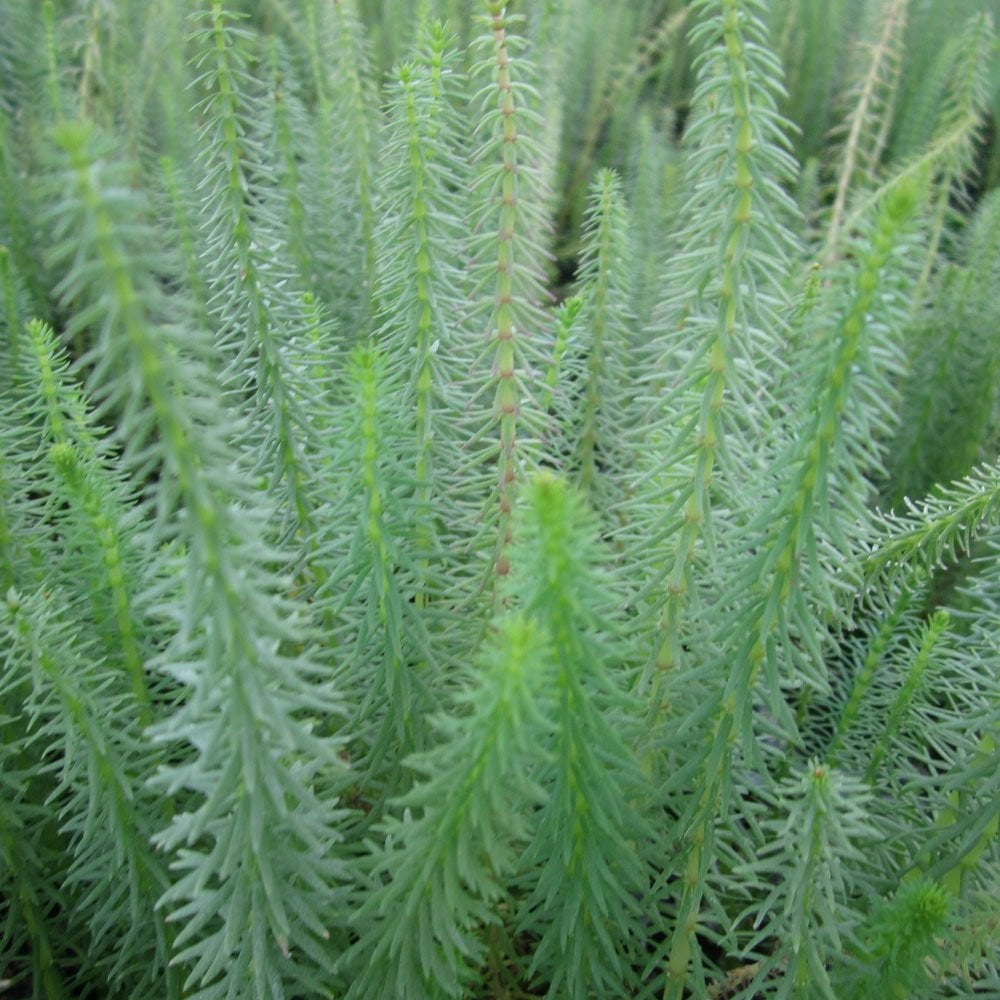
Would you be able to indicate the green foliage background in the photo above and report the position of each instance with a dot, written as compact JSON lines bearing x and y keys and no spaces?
{"x":499,"y":501}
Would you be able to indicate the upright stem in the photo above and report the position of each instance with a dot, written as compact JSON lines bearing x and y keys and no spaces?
{"x":892,"y":27}
{"x":507,"y":396}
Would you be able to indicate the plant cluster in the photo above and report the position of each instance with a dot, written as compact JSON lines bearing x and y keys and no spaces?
{"x":499,"y":500}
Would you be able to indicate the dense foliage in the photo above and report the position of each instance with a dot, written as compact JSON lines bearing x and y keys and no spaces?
{"x":499,"y":501}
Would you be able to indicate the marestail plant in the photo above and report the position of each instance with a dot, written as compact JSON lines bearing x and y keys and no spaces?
{"x":499,"y":501}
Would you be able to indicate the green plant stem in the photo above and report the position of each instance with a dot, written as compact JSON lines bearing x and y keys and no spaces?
{"x":71,"y":467}
{"x":904,"y":697}
{"x":507,"y":398}
{"x":874,"y":660}
{"x":745,"y":212}
{"x":777,"y":574}
{"x":594,"y":395}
